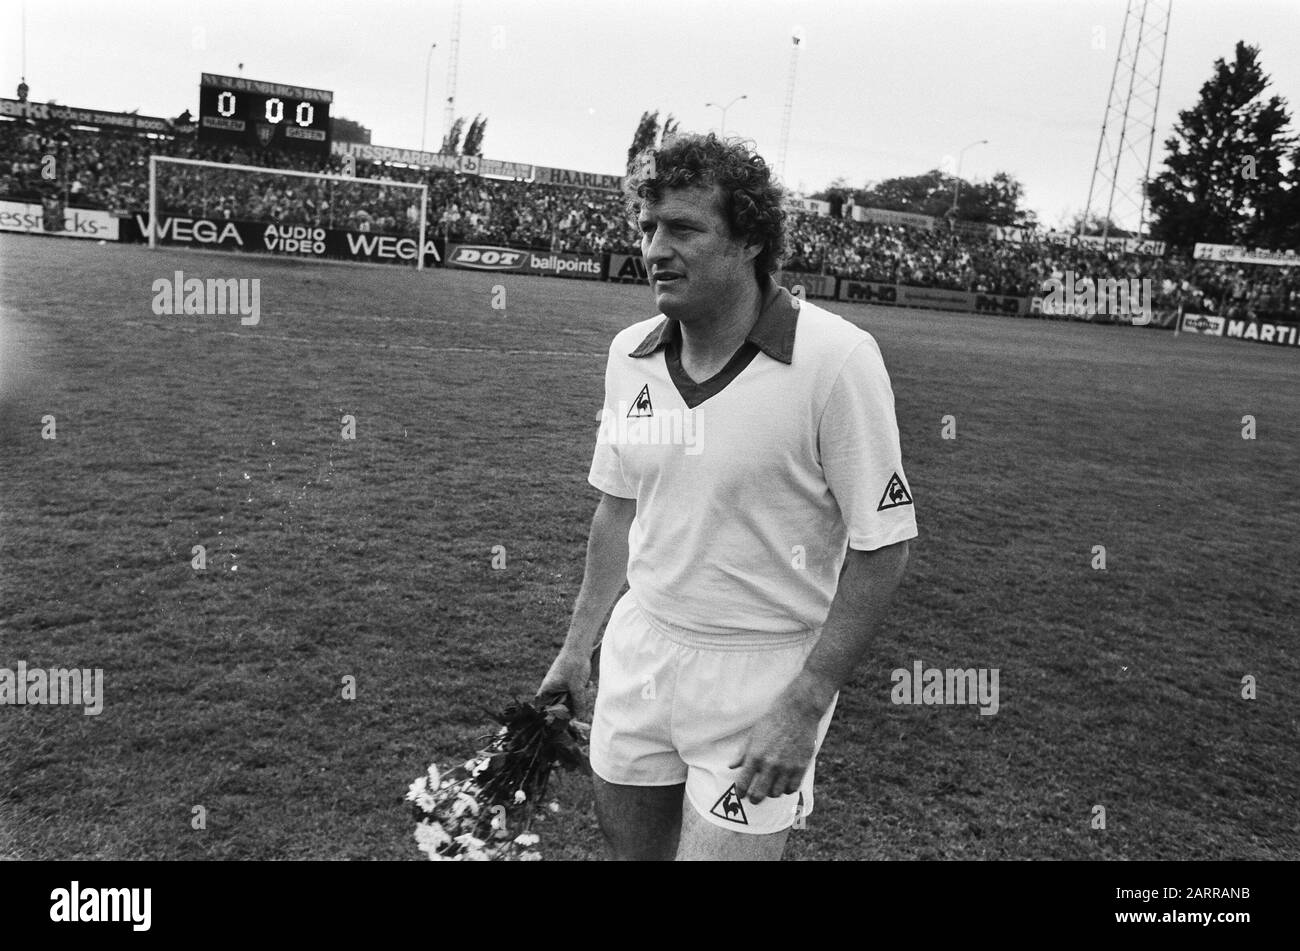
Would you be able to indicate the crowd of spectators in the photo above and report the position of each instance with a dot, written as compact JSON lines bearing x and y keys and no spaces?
{"x":110,"y":170}
{"x":942,"y":258}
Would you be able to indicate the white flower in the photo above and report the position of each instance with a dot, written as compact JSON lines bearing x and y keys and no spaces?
{"x":429,"y":836}
{"x":554,"y":806}
{"x":419,"y":793}
{"x":520,"y":796}
{"x":476,"y":855}
{"x":530,"y":857}
{"x":434,"y":776}
{"x":469,"y":843}
{"x":464,"y":802}
{"x":526,"y":839}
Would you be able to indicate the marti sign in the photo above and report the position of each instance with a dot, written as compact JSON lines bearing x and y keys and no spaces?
{"x":1286,"y":335}
{"x":1258,"y":331}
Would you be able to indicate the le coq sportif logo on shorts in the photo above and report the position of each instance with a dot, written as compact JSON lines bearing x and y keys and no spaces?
{"x":730,"y":807}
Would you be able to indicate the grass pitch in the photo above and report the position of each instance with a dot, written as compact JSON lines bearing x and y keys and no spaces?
{"x":371,"y":559}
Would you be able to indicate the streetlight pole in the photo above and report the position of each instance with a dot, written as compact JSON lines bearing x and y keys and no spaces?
{"x":724,"y":111}
{"x":424,"y":124}
{"x":956,"y":185}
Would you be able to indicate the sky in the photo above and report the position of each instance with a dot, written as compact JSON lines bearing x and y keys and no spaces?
{"x":882,"y":88}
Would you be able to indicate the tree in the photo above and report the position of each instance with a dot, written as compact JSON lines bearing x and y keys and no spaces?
{"x":1223,"y":170}
{"x":996,"y":201}
{"x":451,"y":141}
{"x":1026,"y":218}
{"x":345,"y":130}
{"x":928,"y":194}
{"x":474,"y":137}
{"x":646,"y":135}
{"x":1279,"y":225}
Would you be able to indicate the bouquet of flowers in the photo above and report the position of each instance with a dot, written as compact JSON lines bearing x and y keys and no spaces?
{"x":484,"y":809}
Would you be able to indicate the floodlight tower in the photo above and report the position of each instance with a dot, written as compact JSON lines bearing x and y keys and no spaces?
{"x":796,"y":37}
{"x":450,"y":115}
{"x":1122,"y":167}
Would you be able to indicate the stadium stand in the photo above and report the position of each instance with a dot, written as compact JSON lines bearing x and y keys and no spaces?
{"x":108,"y":170}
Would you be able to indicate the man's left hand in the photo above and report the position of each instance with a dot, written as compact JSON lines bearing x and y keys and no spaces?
{"x":780,"y":747}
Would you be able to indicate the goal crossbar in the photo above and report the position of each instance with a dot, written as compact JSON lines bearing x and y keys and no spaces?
{"x":422,"y":188}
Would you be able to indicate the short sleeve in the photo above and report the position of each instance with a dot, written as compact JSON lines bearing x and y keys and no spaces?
{"x":606,"y":469}
{"x":861,"y":456}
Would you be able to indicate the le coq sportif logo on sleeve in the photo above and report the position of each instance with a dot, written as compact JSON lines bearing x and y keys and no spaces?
{"x":896,"y":494}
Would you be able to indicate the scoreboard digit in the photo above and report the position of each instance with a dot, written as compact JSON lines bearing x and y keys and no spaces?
{"x":260,"y":115}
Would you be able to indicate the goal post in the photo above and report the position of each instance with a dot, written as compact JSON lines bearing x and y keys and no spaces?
{"x":321,"y":200}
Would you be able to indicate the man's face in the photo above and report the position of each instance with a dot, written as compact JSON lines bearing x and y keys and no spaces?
{"x":696,"y":268}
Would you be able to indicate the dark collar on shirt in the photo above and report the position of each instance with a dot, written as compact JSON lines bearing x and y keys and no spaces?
{"x":772,"y":333}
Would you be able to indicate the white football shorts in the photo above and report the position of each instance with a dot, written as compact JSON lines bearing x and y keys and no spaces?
{"x":673,"y":708}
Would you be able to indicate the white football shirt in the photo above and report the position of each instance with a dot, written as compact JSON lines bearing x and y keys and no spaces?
{"x":750,"y":485}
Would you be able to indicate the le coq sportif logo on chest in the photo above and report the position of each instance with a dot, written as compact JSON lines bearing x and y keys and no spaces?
{"x":636,"y":422}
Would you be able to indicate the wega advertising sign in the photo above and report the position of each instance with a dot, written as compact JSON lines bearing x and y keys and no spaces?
{"x":305,"y":241}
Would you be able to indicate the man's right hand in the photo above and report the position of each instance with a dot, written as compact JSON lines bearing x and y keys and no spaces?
{"x":570,"y":673}
{"x":602,"y":579}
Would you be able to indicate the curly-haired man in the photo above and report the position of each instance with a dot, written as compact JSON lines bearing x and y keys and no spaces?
{"x":754,"y":501}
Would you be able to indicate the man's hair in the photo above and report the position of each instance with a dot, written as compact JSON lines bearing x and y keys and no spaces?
{"x":751,"y":199}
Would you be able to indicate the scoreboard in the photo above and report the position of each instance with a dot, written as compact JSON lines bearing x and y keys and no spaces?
{"x":258,"y":114}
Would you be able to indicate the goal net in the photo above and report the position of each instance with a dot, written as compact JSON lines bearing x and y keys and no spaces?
{"x":286,"y":212}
